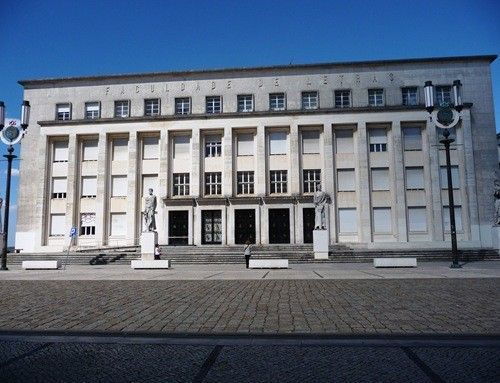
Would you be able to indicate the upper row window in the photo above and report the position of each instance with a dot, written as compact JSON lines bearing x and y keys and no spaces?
{"x":63,"y":112}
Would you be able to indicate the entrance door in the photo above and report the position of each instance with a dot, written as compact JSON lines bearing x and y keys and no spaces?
{"x":178,"y":227}
{"x":244,"y":226}
{"x":211,"y":227}
{"x":308,"y":216}
{"x":279,"y":226}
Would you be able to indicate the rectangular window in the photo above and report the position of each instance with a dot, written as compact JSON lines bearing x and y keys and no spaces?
{"x":89,"y":187}
{"x":417,"y":219}
{"x":455,"y":177}
{"x":181,"y":146}
{"x":183,"y":105}
{"x":311,"y":180}
{"x":458,"y":218}
{"x":118,"y":186}
{"x":375,"y":97}
{"x":59,"y":187}
{"x":415,"y":178}
{"x":89,"y":150}
{"x":348,"y":221}
{"x":63,"y":112}
{"x":382,"y":221}
{"x":310,"y":142}
{"x":344,"y":142}
{"x":213,"y":104}
{"x":277,"y":101}
{"x":342,"y":98}
{"x":245,"y":182}
{"x":213,"y":146}
{"x":92,"y":110}
{"x":87,"y":224}
{"x":150,"y":148}
{"x":120,"y":149}
{"x":118,"y":225}
{"x":310,"y":100}
{"x":443,"y":95}
{"x":245,"y":103}
{"x":245,"y":144}
{"x":181,"y":184}
{"x":380,"y":179}
{"x":346,"y":180}
{"x":409,"y":95}
{"x":149,"y":181}
{"x":122,"y":108}
{"x":412,"y":138}
{"x":152,"y":107}
{"x":378,"y":140}
{"x":57,"y":224}
{"x":277,"y":143}
{"x":60,"y":151}
{"x":213,"y":183}
{"x":278,"y":181}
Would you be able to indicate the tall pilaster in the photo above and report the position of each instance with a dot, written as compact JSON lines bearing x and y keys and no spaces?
{"x":227,"y":153}
{"x":72,"y":187}
{"x":398,"y":175}
{"x":327,"y":176}
{"x":294,"y":176}
{"x":363,"y":185}
{"x":133,"y":207}
{"x":260,"y":186}
{"x":163,"y":186}
{"x":101,"y":215}
{"x":195,"y":168}
{"x":435,"y":184}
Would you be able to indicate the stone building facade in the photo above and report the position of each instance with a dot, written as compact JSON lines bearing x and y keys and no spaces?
{"x":236,"y":154}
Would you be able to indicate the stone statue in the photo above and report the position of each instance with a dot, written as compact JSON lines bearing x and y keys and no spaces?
{"x":320,"y":203}
{"x":496,"y":194}
{"x":150,"y":211}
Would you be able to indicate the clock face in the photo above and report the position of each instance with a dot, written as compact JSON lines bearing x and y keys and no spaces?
{"x":11,"y":133}
{"x":445,"y":115}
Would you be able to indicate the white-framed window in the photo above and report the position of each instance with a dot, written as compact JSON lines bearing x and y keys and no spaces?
{"x":412,"y":138}
{"x":118,"y":186}
{"x":375,"y":97}
{"x":87,"y":223}
{"x":60,"y":151}
{"x":310,"y":141}
{"x":348,"y":221}
{"x":181,"y":184}
{"x":415,"y":178}
{"x":92,"y":110}
{"x":213,"y":146}
{"x":382,"y":221}
{"x":409,"y":95}
{"x":378,"y":140}
{"x":150,"y":148}
{"x":417,"y":219}
{"x":380,"y":179}
{"x":278,"y":182}
{"x":277,"y":143}
{"x":342,"y":98}
{"x":346,"y":180}
{"x":89,"y":187}
{"x":443,"y":94}
{"x":122,"y":108}
{"x":120,"y":149}
{"x":277,"y":101}
{"x":89,"y":150}
{"x":245,"y":102}
{"x":59,"y":187}
{"x":311,"y":180}
{"x":245,"y":144}
{"x":118,"y":224}
{"x":455,"y":177}
{"x":245,"y":182}
{"x":152,"y":107}
{"x":63,"y":112}
{"x":182,"y":146}
{"x":458,"y":218}
{"x":57,"y":225}
{"x":149,"y":181}
{"x":213,"y":104}
{"x":182,"y":105}
{"x":213,"y":183}
{"x":344,"y":141}
{"x":310,"y":100}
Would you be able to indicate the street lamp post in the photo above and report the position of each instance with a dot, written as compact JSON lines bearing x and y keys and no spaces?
{"x":11,"y":135}
{"x":446,"y":118}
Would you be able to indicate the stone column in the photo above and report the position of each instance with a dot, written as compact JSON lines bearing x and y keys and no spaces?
{"x":260,"y":158}
{"x":134,"y":208}
{"x":227,"y":155}
{"x":101,"y":215}
{"x":433,"y":184}
{"x":363,"y":185}
{"x":294,"y":176}
{"x":398,"y":177}
{"x":195,"y":167}
{"x":163,"y":186}
{"x":40,"y":222}
{"x":328,"y":177}
{"x":72,"y":194}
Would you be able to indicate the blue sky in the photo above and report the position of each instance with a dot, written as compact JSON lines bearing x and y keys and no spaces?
{"x":52,"y":38}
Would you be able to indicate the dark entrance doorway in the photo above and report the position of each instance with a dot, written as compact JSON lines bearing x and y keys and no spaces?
{"x":244,"y":226}
{"x":308,"y":224}
{"x":211,"y":227}
{"x":279,"y":226}
{"x":178,"y":227}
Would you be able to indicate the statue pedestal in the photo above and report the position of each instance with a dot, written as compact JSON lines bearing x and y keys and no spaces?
{"x":320,"y":244}
{"x":495,"y":235}
{"x":148,"y":241}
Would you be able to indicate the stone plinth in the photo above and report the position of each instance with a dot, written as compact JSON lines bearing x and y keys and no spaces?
{"x":150,"y":264}
{"x":495,"y":234}
{"x":320,"y":244}
{"x":148,"y":241}
{"x":395,"y":262}
{"x":268,"y":264}
{"x":41,"y":265}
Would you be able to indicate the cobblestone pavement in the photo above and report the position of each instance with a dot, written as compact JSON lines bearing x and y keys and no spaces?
{"x":397,"y":306}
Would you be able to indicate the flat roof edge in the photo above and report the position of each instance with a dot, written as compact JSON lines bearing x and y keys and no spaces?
{"x":29,"y":82}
